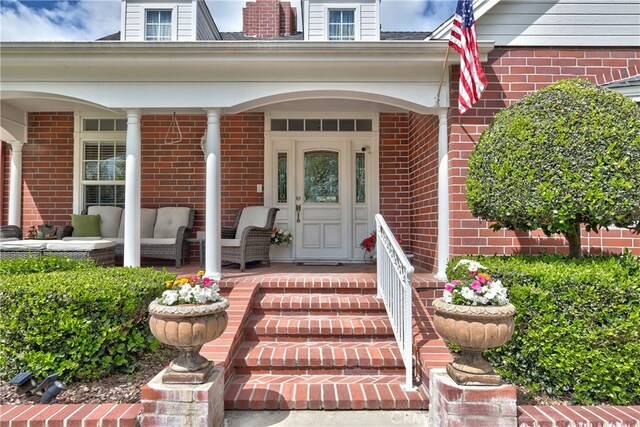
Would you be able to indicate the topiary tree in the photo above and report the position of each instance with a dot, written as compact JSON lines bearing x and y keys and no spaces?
{"x":566,"y":155}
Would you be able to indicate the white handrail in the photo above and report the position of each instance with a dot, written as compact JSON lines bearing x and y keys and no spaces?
{"x":395,"y":274}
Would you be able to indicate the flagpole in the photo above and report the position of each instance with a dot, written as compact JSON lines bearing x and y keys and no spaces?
{"x":444,"y":70}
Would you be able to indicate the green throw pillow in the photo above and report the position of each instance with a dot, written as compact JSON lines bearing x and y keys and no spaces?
{"x":85,"y":225}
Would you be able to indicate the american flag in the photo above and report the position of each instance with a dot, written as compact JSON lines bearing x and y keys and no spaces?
{"x":463,"y":39}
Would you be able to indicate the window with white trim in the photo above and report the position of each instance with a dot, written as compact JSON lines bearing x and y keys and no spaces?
{"x":342,"y":24}
{"x":158,"y":25}
{"x":102,"y":162}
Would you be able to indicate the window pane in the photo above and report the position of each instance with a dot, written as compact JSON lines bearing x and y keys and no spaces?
{"x":121,"y":125}
{"x":107,"y":124}
{"x":119,"y":195}
{"x":91,"y":150}
{"x":321,"y":177}
{"x":91,"y":124}
{"x":360,"y":178}
{"x":312,"y":125}
{"x":296,"y":124}
{"x":91,"y":170}
{"x":282,"y":177}
{"x":364,"y":125}
{"x":120,"y":169}
{"x":165,"y":16}
{"x":91,"y":195}
{"x":330,"y":125}
{"x":279,"y":124}
{"x":347,"y":125}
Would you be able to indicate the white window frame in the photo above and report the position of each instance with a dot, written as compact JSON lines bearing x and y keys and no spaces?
{"x":356,"y":19}
{"x":160,"y":7}
{"x":79,"y":138}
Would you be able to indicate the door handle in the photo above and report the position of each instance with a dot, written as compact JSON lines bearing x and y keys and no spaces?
{"x":298,"y":210}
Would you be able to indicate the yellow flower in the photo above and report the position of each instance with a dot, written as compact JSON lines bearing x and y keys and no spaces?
{"x":184,"y":280}
{"x":200,"y":273}
{"x":168,"y":283}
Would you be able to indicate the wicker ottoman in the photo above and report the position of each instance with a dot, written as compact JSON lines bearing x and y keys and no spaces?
{"x":102,"y":252}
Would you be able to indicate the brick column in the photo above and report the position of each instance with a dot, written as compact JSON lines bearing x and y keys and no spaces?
{"x":185,"y":405}
{"x":451,"y":404}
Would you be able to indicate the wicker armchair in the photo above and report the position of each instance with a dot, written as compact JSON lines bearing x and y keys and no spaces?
{"x":10,"y":231}
{"x":250,"y":238}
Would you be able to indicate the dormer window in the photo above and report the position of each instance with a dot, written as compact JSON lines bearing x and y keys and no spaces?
{"x":342,"y":25}
{"x":158,"y":25}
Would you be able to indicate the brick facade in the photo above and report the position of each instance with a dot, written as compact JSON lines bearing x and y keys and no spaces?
{"x":269,"y":18}
{"x":513,"y":73}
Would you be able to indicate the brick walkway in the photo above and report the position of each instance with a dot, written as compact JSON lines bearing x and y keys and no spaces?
{"x":579,"y":416}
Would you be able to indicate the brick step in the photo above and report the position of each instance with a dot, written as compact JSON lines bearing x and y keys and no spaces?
{"x":352,"y":392}
{"x":332,"y":328}
{"x":319,"y":285}
{"x":285,"y":304}
{"x":318,"y":358}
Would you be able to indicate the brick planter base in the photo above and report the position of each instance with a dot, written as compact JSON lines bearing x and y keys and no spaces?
{"x":455,"y":405}
{"x":187,"y":405}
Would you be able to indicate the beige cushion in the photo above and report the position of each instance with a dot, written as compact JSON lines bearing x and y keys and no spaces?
{"x":80,"y":245}
{"x":147,"y":222}
{"x":252,"y":216}
{"x":80,"y":239}
{"x":230,"y":242}
{"x":168,"y":220}
{"x":158,"y":241}
{"x":109,"y":219}
{"x":23,"y":244}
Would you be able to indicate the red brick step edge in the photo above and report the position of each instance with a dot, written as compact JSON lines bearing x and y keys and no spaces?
{"x":59,"y":415}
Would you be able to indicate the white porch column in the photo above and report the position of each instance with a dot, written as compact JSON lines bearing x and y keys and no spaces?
{"x":213,"y":223}
{"x":132,"y":191}
{"x":443,"y":195}
{"x":15,"y":183}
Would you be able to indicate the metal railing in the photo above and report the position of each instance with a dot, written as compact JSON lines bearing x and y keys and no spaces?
{"x":395,"y":274}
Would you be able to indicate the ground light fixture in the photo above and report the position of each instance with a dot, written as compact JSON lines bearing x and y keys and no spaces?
{"x":48,"y":389}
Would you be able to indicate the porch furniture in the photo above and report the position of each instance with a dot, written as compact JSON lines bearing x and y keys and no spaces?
{"x":250,"y":238}
{"x":10,"y":232}
{"x":163,"y":231}
{"x":200,"y":241}
{"x":102,"y":252}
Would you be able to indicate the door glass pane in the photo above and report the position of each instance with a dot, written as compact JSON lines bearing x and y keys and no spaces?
{"x":321,"y":178}
{"x":282,"y":177}
{"x":360,"y":178}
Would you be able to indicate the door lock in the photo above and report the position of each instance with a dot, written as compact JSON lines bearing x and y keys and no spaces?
{"x":298,"y":210}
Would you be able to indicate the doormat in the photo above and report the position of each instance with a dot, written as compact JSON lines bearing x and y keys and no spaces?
{"x":321,"y":263}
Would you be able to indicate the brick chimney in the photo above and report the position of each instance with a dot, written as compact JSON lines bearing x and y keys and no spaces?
{"x":269,"y":18}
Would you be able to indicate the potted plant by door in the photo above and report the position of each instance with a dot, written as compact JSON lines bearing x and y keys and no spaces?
{"x":475,"y":314}
{"x":189,"y":314}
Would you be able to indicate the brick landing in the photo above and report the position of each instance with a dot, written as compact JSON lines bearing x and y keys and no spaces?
{"x":579,"y":416}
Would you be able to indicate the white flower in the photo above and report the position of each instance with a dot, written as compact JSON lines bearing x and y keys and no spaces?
{"x":169,"y":298}
{"x":472,"y":265}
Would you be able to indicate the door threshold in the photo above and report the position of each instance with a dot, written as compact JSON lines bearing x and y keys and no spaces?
{"x":321,"y":263}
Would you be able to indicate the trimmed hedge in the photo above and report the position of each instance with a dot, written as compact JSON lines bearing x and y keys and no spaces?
{"x":41,"y":264}
{"x":577,"y":322}
{"x":82,"y":324}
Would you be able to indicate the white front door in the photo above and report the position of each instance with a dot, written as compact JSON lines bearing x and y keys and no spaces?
{"x":322,"y":199}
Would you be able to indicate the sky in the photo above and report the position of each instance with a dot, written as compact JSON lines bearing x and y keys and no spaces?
{"x":37,"y":20}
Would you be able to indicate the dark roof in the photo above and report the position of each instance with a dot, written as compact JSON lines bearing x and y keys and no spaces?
{"x":404,"y":35}
{"x":110,"y":37}
{"x":628,"y":82}
{"x":384,"y":35}
{"x":241,"y":36}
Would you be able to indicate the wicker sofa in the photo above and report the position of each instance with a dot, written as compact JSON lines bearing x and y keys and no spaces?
{"x":12,"y":246}
{"x":250,"y":238}
{"x":163,"y":231}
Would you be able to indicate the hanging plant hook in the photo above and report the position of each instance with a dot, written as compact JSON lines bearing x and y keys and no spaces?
{"x":174,"y":129}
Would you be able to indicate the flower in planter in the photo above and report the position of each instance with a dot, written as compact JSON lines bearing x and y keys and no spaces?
{"x":280,"y":236}
{"x":191,"y":290}
{"x":369,"y":243}
{"x":478,"y":289}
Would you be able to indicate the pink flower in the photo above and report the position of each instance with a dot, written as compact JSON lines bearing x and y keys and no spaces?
{"x":481,"y":279}
{"x":206,"y":282}
{"x":448,"y":287}
{"x":455,"y":282}
{"x":476,"y":285}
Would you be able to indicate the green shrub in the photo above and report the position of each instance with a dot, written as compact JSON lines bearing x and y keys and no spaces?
{"x":564,"y":156}
{"x":40,"y":264}
{"x":577,"y":329}
{"x":81,"y":324}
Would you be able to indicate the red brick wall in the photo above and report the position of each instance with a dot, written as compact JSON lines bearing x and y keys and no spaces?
{"x":4,"y":183}
{"x":394,"y":174}
{"x":513,"y":73}
{"x":423,"y":167}
{"x":47,"y":169}
{"x":172,"y":175}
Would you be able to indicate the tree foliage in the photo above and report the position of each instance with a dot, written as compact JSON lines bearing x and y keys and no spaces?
{"x":563,"y":156}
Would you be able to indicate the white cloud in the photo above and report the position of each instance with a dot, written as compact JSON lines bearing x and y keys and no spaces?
{"x":91,"y":19}
{"x":62,"y":20}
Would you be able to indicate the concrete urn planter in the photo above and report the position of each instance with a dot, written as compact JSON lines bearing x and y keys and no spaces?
{"x":474,"y":329}
{"x":188,"y":327}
